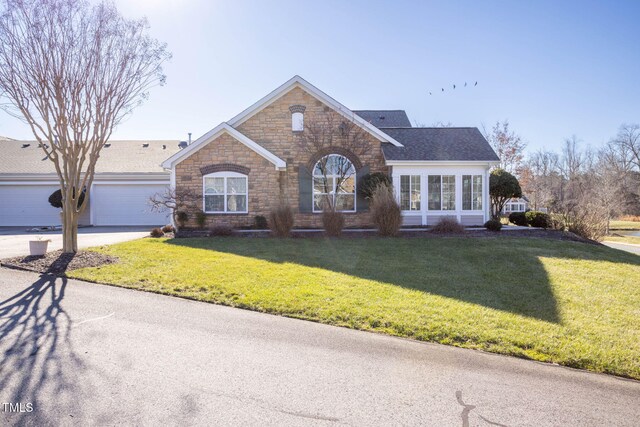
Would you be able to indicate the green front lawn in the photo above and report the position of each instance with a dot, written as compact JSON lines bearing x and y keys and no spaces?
{"x":555,"y":301}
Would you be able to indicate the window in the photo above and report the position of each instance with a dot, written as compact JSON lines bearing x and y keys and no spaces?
{"x":442,"y":192}
{"x":334,"y":181}
{"x":225,"y":192}
{"x":410,"y":192}
{"x":297,"y":122}
{"x":472,"y":192}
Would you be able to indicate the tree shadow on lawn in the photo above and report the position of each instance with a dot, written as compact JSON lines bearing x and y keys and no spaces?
{"x":499,"y":273}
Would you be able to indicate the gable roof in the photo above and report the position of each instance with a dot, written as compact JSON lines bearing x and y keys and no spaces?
{"x":215,"y":133}
{"x":385,"y":118}
{"x":297,"y":81}
{"x":439,"y":144}
{"x":27,"y":158}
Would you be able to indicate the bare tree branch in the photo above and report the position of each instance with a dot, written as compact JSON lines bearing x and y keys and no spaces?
{"x":72,"y":72}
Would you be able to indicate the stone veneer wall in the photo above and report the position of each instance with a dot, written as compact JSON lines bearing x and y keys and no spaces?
{"x":271,"y":128}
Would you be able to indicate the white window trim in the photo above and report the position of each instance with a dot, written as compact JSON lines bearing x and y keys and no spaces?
{"x":472,"y":175}
{"x":224,"y":175}
{"x":355,"y":187}
{"x":410,"y":193}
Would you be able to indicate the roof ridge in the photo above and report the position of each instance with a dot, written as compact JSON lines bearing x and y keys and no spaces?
{"x":379,"y":110}
{"x":429,"y":127}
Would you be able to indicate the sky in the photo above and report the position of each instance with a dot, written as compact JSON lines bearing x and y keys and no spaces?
{"x":552,"y":69}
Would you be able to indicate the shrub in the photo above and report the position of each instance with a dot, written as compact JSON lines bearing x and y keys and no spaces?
{"x":588,"y":222}
{"x":448,"y":225}
{"x":168,"y":229}
{"x":538,"y":219}
{"x":157,"y":232}
{"x":370,"y":182}
{"x":221,"y":230}
{"x":281,"y":220}
{"x":493,"y":225}
{"x":260,"y":222}
{"x":333,"y":222}
{"x":182,"y":217}
{"x":55,"y":199}
{"x":385,"y":211}
{"x":201,"y":219}
{"x":518,"y":218}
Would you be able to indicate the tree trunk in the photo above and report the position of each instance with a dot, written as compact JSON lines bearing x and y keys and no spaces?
{"x":69,"y":225}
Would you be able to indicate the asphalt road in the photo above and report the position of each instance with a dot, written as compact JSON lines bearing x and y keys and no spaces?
{"x":86,"y":354}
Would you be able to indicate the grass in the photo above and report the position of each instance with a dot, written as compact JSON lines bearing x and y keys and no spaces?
{"x":554,"y":301}
{"x":624,"y":225}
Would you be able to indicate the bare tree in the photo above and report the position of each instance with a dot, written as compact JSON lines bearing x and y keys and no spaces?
{"x":72,"y":71}
{"x":508,"y":146}
{"x":628,"y":141}
{"x":538,"y":177}
{"x":332,"y":133}
{"x":174,"y":201}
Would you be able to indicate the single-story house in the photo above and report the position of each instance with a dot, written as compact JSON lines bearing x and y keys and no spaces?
{"x":246,"y":166}
{"x":127,"y":175}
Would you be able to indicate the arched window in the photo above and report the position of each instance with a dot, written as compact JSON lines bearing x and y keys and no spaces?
{"x":297,"y":122}
{"x":225,"y":192}
{"x":334,"y":183}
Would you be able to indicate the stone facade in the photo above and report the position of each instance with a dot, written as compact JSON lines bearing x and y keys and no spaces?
{"x":271,"y":128}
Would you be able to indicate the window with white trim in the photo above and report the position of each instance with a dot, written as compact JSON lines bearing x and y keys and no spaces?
{"x":410,"y":192}
{"x":471,"y":192}
{"x":441,"y":192}
{"x":334,"y":181}
{"x":225,"y":192}
{"x":297,"y":122}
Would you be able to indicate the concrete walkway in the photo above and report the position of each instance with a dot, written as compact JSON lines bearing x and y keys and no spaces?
{"x":627,"y":247}
{"x":86,"y":354}
{"x":14,"y":241}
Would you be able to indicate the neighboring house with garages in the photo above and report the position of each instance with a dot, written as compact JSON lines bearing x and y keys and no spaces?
{"x":246,"y":166}
{"x":127,"y":174}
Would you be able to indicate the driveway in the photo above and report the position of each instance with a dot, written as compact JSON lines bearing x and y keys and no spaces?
{"x":86,"y":354}
{"x":14,"y":241}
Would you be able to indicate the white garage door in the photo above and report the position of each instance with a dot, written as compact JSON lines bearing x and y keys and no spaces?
{"x":126,"y":204}
{"x":27,"y":205}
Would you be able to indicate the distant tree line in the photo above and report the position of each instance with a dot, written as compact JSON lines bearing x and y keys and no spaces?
{"x":583,"y":187}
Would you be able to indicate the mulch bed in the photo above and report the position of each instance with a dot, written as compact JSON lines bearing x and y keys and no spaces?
{"x":58,"y":263}
{"x":537,"y":233}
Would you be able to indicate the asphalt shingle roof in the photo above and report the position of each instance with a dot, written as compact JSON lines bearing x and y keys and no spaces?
{"x":439,"y":144}
{"x":385,"y":118}
{"x":16,"y":157}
